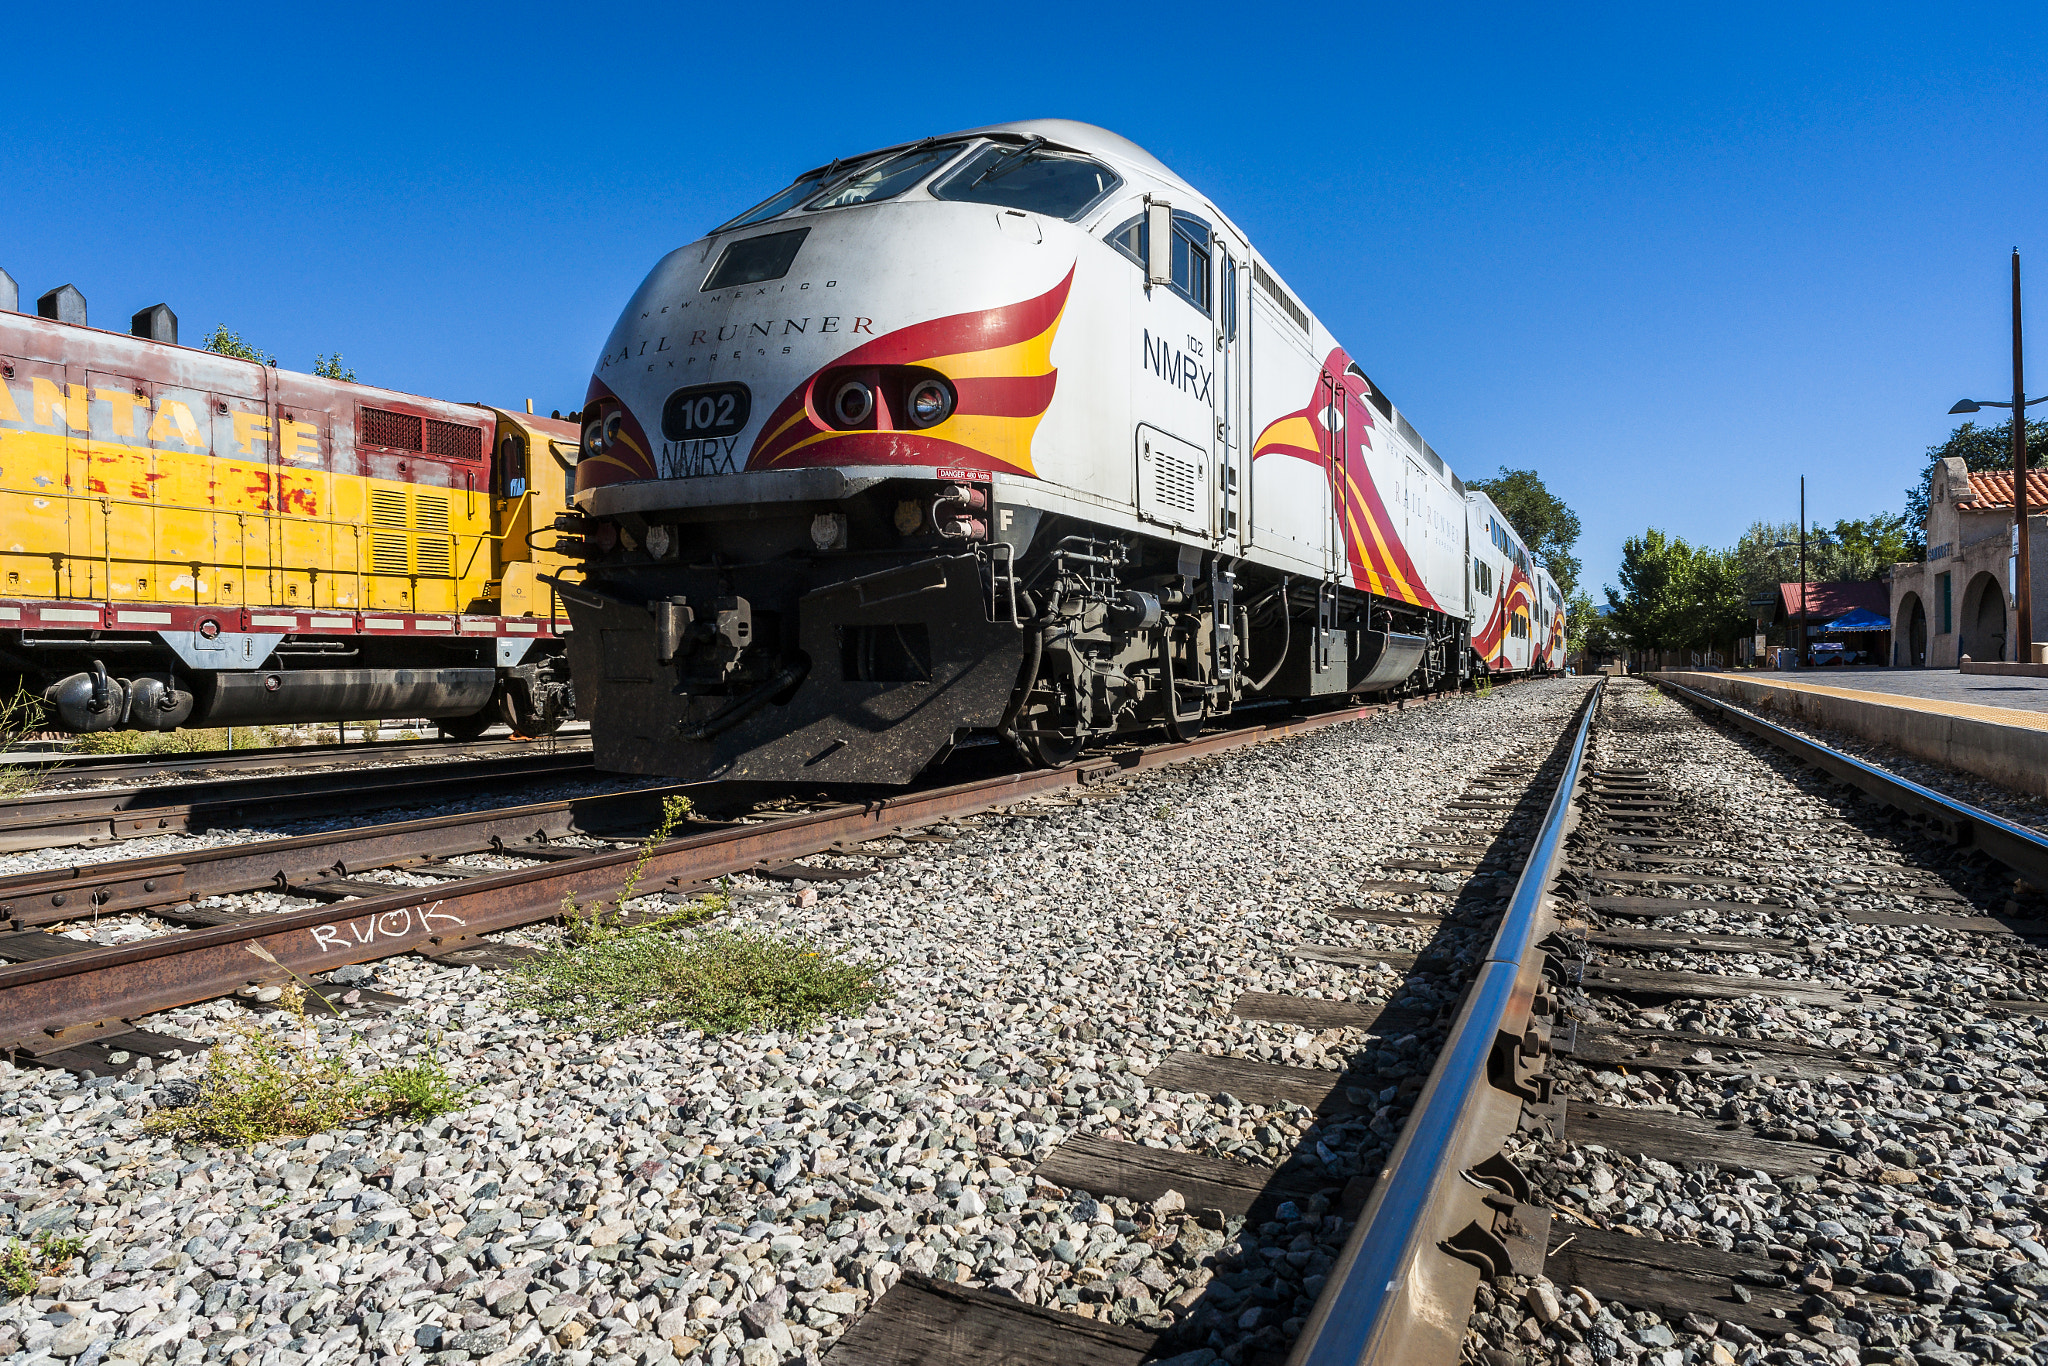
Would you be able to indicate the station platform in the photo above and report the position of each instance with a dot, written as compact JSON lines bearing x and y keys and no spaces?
{"x":1990,"y":725}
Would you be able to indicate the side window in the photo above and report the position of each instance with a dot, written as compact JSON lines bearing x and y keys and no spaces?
{"x":1230,"y":297}
{"x":1191,"y":276}
{"x":510,"y":475}
{"x":1193,"y":279}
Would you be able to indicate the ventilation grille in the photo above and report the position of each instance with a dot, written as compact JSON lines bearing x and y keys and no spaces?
{"x":433,"y":512}
{"x":1176,"y":483}
{"x":1280,"y":296}
{"x":1414,"y":437}
{"x":378,"y":427}
{"x":387,"y":553}
{"x":431,"y":549}
{"x":1436,"y":461}
{"x":387,"y":507}
{"x":455,"y":441}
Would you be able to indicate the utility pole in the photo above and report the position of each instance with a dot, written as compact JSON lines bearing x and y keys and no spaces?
{"x":2023,"y":589}
{"x":1802,"y":572}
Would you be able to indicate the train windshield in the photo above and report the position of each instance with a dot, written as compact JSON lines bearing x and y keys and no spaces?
{"x":886,"y":179}
{"x":1051,"y":183}
{"x":778,"y":204}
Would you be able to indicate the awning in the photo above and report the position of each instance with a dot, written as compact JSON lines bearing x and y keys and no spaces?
{"x":1858,"y":620}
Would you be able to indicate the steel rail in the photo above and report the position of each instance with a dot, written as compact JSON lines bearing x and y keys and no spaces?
{"x":48,"y":820}
{"x":2018,"y":848}
{"x":1443,"y":1213}
{"x":63,"y":764}
{"x":55,"y":1003}
{"x":119,"y":886}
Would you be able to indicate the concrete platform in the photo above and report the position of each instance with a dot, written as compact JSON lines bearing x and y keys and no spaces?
{"x":1987,"y":689}
{"x":1992,"y":726}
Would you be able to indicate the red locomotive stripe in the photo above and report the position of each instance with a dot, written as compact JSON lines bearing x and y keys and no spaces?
{"x":794,"y":435}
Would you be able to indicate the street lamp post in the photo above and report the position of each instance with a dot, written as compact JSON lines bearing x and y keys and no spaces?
{"x":2023,"y":589}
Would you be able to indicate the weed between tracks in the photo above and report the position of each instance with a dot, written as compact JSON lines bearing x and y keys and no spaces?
{"x":23,"y":1265}
{"x":21,"y":715}
{"x":261,"y":1084}
{"x":613,"y":976}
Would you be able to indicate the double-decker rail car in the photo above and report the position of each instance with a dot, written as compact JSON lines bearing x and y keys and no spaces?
{"x":1517,"y":610}
{"x":1011,"y":434}
{"x":191,"y":539}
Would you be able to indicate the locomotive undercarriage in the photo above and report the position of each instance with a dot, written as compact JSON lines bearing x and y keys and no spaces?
{"x":823,"y":641}
{"x":100,"y":680}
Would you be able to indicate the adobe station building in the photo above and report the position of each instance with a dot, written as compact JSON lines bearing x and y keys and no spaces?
{"x":1960,"y":602}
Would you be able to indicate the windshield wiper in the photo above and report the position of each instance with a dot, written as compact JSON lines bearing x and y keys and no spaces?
{"x":1012,"y":160}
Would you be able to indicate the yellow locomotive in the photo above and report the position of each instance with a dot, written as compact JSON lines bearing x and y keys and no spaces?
{"x":191,"y":539}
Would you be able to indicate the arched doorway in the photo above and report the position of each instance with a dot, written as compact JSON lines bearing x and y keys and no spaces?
{"x":1909,"y":633}
{"x":1983,"y":619}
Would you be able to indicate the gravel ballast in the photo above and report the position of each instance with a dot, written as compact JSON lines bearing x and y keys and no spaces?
{"x":1923,"y":1236}
{"x":744,"y":1198}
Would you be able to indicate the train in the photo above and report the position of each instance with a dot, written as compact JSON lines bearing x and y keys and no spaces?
{"x":1005,"y":436}
{"x":191,"y":539}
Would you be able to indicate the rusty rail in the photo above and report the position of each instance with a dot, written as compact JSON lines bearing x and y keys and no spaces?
{"x":47,"y":820}
{"x":56,"y":1003}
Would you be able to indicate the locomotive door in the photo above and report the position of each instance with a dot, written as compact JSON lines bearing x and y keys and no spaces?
{"x":1334,"y":424}
{"x":1232,"y":394}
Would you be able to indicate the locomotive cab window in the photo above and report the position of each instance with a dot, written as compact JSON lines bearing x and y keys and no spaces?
{"x":783,"y":201}
{"x":1190,"y":257}
{"x":1052,"y":183}
{"x":887,"y":179}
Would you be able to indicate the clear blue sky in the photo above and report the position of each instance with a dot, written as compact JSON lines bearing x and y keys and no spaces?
{"x":1670,"y":257}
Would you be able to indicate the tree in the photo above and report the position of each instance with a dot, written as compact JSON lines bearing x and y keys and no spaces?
{"x":329,"y":367}
{"x":1651,"y":609}
{"x":1549,"y":527}
{"x":226,"y":343}
{"x":1984,"y":450}
{"x":1863,"y":550}
{"x":1586,"y":632}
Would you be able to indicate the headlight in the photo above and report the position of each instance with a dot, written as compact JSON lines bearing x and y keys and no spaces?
{"x":593,"y":438}
{"x":930,"y":402}
{"x":852,"y":403}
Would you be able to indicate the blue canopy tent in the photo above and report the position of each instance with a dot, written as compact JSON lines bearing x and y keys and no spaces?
{"x":1856,"y":621}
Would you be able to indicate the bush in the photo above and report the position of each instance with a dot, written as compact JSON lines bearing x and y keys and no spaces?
{"x":179,"y":741}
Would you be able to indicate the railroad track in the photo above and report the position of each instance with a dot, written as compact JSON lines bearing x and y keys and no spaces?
{"x":1426,"y":919}
{"x":61,"y":766}
{"x":70,"y":1003}
{"x":60,"y":817}
{"x":1710,"y":1097}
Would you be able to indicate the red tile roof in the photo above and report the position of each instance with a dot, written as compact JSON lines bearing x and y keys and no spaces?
{"x":1994,"y":490}
{"x":1826,"y":601}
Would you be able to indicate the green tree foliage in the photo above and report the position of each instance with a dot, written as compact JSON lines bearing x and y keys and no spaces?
{"x":1983,"y":450}
{"x":1648,"y":612}
{"x":1848,"y":552}
{"x":329,"y":367}
{"x":226,"y":343}
{"x":1674,"y":596}
{"x":1587,"y":632}
{"x":1549,"y":527}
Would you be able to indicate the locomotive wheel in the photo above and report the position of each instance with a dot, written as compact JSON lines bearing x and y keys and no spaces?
{"x":1049,"y":739}
{"x":465,"y":727}
{"x":535,"y":730}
